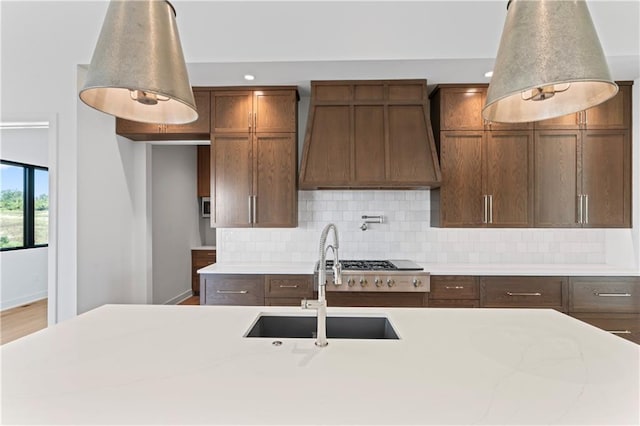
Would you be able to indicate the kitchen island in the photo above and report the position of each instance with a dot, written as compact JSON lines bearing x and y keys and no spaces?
{"x":147,"y":364}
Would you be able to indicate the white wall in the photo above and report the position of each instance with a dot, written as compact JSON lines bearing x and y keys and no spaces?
{"x":175,"y":220}
{"x":23,"y":273}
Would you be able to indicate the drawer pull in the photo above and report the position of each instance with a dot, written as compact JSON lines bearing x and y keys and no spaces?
{"x":619,"y":331}
{"x":454,"y":287}
{"x":523,"y":294}
{"x":288,"y":286}
{"x":232,"y":291}
{"x":595,"y":293}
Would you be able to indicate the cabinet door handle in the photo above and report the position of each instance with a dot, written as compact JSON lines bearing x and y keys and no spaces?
{"x":250,"y":209}
{"x":509,"y":293}
{"x":484,"y":209}
{"x":288,"y":286}
{"x":454,"y":287}
{"x":619,"y":331}
{"x":580,"y":208}
{"x":585,"y":117}
{"x":491,"y":208}
{"x":255,"y":120}
{"x":253,"y":210}
{"x":586,"y":209}
{"x":232,"y":291}
{"x":249,"y":120}
{"x":595,"y":293}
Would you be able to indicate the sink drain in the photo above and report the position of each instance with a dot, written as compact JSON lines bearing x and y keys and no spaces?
{"x":277,"y":343}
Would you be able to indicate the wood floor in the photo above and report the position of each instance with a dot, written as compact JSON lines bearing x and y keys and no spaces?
{"x":23,"y":320}
{"x":193,"y":300}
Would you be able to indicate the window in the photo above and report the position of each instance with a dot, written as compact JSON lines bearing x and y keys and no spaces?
{"x":24,"y":206}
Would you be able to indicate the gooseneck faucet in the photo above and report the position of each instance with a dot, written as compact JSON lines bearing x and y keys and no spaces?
{"x":320,"y":305}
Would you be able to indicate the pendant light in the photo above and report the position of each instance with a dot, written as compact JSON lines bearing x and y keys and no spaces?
{"x":549,"y":63}
{"x":138,"y":71}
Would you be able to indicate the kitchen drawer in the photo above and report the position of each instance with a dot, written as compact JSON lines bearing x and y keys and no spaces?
{"x":237,"y":289}
{"x":300,"y":286}
{"x":604,"y":294}
{"x":204,"y":256}
{"x":452,"y":303}
{"x":391,"y":300}
{"x":454,"y":287}
{"x":623,"y":325}
{"x":524,"y":292}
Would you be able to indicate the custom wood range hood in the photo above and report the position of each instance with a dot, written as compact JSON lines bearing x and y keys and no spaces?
{"x":369,"y":134}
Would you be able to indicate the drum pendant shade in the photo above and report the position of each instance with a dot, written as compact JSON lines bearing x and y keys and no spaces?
{"x":549,"y":63}
{"x":137,"y":70}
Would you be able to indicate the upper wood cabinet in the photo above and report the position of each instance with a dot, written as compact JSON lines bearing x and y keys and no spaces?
{"x":571,"y":171}
{"x":198,"y":130}
{"x":204,"y":171}
{"x":369,"y":134}
{"x":253,"y":171}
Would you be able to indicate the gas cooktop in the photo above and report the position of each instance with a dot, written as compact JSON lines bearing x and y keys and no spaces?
{"x":377,"y":265}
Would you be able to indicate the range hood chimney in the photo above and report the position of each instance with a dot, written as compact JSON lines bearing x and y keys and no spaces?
{"x":369,"y":134}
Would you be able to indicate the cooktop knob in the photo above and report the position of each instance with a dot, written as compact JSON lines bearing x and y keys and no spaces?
{"x":417,"y":282}
{"x":390,"y":282}
{"x":351,"y":282}
{"x":378,"y":282}
{"x":363,"y":282}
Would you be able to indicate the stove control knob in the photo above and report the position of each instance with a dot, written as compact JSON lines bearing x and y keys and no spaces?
{"x":351,"y":282}
{"x":417,"y":282}
{"x":363,"y":282}
{"x":378,"y":282}
{"x":390,"y":282}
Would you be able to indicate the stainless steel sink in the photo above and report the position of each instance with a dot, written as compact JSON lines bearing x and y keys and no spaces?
{"x":337,"y":327}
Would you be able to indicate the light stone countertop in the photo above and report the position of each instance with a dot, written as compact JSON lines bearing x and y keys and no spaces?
{"x":155,"y":364}
{"x":433,"y":269}
{"x":203,"y":248}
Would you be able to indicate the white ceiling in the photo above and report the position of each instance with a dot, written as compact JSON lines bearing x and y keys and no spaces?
{"x":293,"y":42}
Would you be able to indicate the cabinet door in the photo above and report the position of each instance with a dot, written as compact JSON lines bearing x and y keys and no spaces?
{"x":462,"y":202}
{"x":613,"y":114}
{"x":565,"y":122}
{"x":137,"y":131}
{"x":231,"y":162}
{"x":275,"y":111}
{"x":274,"y":180}
{"x":231,"y":111}
{"x":410,"y":141}
{"x":509,"y":176}
{"x":327,"y":162}
{"x":369,"y":144}
{"x":606,"y":178}
{"x":461,"y":108}
{"x":556,"y":178}
{"x":204,"y":171}
{"x":200,"y":127}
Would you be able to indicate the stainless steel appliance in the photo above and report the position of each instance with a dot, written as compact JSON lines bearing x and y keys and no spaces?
{"x":378,"y":276}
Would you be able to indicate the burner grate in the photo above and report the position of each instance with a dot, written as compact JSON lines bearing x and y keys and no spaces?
{"x":364,"y":265}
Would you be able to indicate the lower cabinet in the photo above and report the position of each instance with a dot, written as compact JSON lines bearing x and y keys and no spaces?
{"x":287,"y":290}
{"x":236,"y":289}
{"x":610,"y":303}
{"x":524,"y":292}
{"x":454,"y":292}
{"x":200,"y":259}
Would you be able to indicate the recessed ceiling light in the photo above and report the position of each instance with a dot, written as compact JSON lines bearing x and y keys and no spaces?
{"x":249,"y":77}
{"x":488,"y":74}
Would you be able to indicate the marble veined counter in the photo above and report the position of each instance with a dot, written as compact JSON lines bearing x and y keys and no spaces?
{"x":143,"y":364}
{"x":432,"y":268}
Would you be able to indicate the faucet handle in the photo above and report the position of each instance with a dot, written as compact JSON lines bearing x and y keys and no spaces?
{"x":337,"y":273}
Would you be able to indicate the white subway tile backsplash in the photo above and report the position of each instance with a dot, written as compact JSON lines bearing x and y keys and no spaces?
{"x":405,"y":233}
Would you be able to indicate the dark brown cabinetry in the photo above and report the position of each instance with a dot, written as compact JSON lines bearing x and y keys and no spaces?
{"x":232,"y":289}
{"x":610,"y":303}
{"x":486,"y":167}
{"x":204,"y":171}
{"x":524,"y":292}
{"x":368,"y":134}
{"x":287,"y":290}
{"x":454,"y":292}
{"x":200,"y":259}
{"x":198,"y":130}
{"x":362,"y":299}
{"x":254,"y":158}
{"x":571,"y":171}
